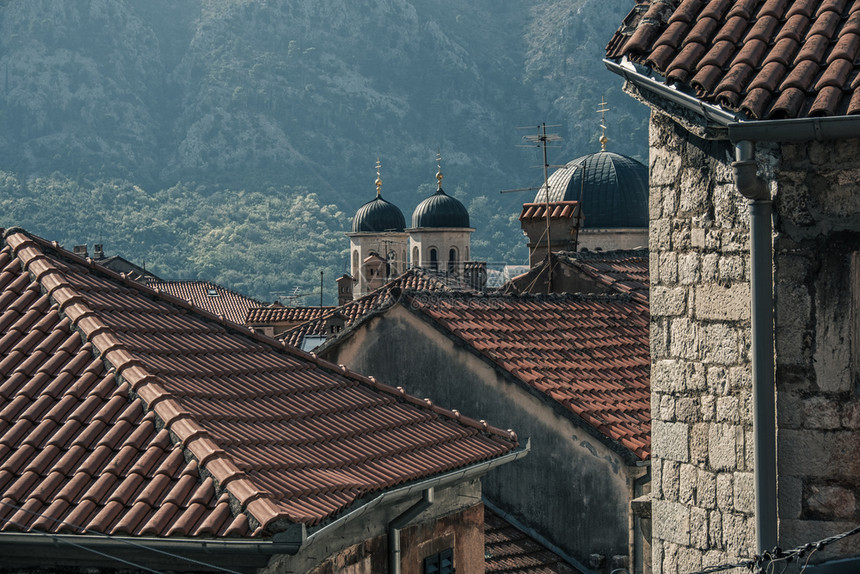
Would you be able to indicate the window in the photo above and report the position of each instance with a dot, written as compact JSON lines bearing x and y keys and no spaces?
{"x":434,"y":260}
{"x":452,"y":260}
{"x":415,"y":260}
{"x":442,"y":563}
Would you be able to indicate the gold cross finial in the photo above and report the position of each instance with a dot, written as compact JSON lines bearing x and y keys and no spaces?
{"x":378,"y":178}
{"x":439,"y":170}
{"x":602,"y":111}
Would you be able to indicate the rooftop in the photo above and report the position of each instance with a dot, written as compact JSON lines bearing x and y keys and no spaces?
{"x":414,"y":278}
{"x":624,"y":271}
{"x":209,"y":296}
{"x":589,"y":353}
{"x":281,"y":314}
{"x":620,"y":271}
{"x":773,"y":59}
{"x":124,"y":410}
{"x":509,"y":550}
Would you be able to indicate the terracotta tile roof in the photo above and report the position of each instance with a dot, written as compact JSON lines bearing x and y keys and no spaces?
{"x":767,"y":59}
{"x":281,"y":314}
{"x":557,"y":210}
{"x":508,"y":549}
{"x":124,"y":410}
{"x":625,"y":271}
{"x":590,"y":353}
{"x":210,"y":297}
{"x":417,"y":279}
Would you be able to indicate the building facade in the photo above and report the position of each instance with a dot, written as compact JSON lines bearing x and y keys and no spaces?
{"x":754,"y":329}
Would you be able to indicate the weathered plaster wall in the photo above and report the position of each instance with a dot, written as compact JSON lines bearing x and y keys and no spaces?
{"x":571,"y":489}
{"x":817,"y":293}
{"x":700,"y":329}
{"x":612,"y":239}
{"x":702,"y":484}
{"x":455,"y":520}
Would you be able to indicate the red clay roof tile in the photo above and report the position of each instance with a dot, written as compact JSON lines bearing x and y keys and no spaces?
{"x":715,"y":9}
{"x":86,"y":415}
{"x":800,"y":35}
{"x":595,"y":360}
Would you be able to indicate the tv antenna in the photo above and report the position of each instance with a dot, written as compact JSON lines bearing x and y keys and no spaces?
{"x":543,"y":140}
{"x":292,"y":296}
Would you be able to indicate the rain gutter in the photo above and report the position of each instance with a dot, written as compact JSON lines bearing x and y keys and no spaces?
{"x":738,"y":128}
{"x":245,"y":555}
{"x":420,"y":486}
{"x":744,"y":134}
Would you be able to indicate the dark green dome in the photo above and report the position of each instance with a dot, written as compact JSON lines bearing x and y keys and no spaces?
{"x":614,"y":194}
{"x":377,"y":216}
{"x":440,"y":210}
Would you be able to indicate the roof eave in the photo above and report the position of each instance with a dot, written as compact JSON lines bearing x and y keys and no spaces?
{"x":737,"y":127}
{"x":450,"y":478}
{"x":173,"y":553}
{"x":231,"y":555}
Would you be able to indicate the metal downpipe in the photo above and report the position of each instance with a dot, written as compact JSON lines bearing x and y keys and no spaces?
{"x":761,"y":314}
{"x":399,"y":523}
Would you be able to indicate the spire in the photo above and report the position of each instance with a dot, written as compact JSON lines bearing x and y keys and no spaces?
{"x":439,"y":171}
{"x":378,"y":178}
{"x":602,"y":111}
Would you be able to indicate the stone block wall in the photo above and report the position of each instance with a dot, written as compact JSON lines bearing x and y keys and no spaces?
{"x":702,"y":485}
{"x":817,"y":291}
{"x":703,"y":482}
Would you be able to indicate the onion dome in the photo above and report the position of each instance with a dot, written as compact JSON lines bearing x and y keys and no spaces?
{"x":613,"y":188}
{"x":378,"y":215}
{"x":440,"y":210}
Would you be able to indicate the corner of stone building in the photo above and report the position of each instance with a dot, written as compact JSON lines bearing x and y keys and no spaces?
{"x":700,"y":321}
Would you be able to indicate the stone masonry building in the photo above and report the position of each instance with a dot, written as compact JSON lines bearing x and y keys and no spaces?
{"x":753,"y":102}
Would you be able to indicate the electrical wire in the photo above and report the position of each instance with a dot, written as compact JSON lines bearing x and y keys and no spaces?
{"x":82,"y":546}
{"x":107,"y":536}
{"x":768,"y":559}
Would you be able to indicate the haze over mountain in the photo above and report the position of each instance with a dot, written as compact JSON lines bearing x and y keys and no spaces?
{"x":232,"y":140}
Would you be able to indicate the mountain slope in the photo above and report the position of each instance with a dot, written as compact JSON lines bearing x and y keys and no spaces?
{"x":223,"y":98}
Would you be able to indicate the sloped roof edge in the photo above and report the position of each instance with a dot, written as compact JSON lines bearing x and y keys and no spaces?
{"x":404,"y":299}
{"x":185,"y":430}
{"x":739,"y":129}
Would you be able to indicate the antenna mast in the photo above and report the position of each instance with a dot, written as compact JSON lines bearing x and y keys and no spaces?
{"x":541,"y":139}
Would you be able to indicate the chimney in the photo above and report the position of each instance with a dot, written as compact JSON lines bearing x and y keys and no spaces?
{"x":98,"y":251}
{"x":81,"y":251}
{"x":344,"y":289}
{"x":564,"y":222}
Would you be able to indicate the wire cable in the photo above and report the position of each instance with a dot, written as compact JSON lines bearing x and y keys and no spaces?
{"x":766,"y":561}
{"x":108,"y":536}
{"x":82,"y":546}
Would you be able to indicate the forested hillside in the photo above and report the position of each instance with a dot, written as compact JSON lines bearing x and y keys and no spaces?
{"x":232,"y":140}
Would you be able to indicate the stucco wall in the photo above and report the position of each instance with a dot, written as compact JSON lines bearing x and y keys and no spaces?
{"x":703,"y":493}
{"x":571,"y":489}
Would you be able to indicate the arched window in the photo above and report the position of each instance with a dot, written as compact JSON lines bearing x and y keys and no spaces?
{"x":452,"y":260}
{"x":434,"y":259}
{"x":415,"y":257}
